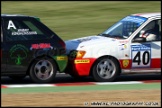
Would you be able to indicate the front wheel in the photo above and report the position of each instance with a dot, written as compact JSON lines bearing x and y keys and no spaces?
{"x":43,"y":70}
{"x":105,"y":69}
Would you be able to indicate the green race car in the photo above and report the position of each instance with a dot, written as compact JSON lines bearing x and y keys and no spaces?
{"x":28,"y":47}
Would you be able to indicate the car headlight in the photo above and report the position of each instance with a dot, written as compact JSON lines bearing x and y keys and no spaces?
{"x":76,"y":54}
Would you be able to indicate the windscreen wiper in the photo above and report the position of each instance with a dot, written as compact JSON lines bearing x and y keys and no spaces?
{"x":117,"y":36}
{"x":106,"y":35}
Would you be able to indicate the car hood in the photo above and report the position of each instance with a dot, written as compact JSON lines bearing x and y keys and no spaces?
{"x":88,"y":41}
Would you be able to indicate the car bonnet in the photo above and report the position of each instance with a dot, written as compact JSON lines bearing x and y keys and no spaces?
{"x":75,"y":44}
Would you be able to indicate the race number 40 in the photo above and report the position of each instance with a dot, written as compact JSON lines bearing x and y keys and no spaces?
{"x":141,"y":55}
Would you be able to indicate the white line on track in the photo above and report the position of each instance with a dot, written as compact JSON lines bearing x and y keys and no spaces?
{"x":53,"y":85}
{"x":114,"y":83}
{"x":30,"y":85}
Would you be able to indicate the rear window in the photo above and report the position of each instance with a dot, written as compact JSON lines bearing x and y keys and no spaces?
{"x":19,"y":29}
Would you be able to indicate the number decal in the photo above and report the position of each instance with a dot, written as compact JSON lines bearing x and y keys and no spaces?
{"x":141,"y":55}
{"x":146,"y":57}
{"x":137,"y":58}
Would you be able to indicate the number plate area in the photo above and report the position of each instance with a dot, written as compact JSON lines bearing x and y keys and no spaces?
{"x":141,"y":55}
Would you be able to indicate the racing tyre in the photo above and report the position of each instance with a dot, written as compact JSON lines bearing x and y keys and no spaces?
{"x":105,"y":69}
{"x":43,"y":70}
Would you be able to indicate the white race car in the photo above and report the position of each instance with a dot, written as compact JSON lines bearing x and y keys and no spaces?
{"x":132,"y":45}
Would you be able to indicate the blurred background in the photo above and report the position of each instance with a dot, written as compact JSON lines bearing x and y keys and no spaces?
{"x":73,"y":19}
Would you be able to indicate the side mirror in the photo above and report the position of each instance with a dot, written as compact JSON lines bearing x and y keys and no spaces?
{"x":139,"y":39}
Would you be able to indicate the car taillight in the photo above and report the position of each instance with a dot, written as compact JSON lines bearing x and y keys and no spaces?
{"x":62,"y":43}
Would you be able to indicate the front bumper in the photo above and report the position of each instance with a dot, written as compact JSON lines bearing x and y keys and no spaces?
{"x":80,"y":67}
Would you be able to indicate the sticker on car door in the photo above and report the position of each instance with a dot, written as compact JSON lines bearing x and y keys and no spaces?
{"x":141,"y":55}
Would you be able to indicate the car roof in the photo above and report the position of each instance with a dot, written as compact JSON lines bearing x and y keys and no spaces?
{"x":148,"y":15}
{"x":16,"y":15}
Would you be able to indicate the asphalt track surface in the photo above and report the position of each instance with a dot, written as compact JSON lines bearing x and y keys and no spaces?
{"x":65,"y":78}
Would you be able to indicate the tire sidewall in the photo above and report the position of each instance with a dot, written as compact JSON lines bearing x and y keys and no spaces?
{"x":98,"y":78}
{"x":34,"y":78}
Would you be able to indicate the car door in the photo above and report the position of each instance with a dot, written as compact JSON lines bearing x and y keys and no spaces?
{"x":147,"y":54}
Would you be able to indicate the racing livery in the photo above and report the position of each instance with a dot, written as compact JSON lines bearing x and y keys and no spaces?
{"x":28,"y":47}
{"x":132,"y":45}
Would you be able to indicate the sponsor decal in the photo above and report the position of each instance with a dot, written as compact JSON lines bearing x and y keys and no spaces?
{"x":82,"y":61}
{"x":81,"y":46}
{"x":61,"y":58}
{"x":11,"y":25}
{"x":141,"y":55}
{"x":24,"y":32}
{"x":122,"y":46}
{"x":18,"y":53}
{"x":123,"y":42}
{"x":83,"y":40}
{"x":19,"y":31}
{"x":125,"y":63}
{"x":135,"y":19}
{"x":125,"y":46}
{"x":86,"y":39}
{"x":41,"y":46}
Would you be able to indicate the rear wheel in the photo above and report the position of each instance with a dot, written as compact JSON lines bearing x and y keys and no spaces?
{"x":43,"y":70}
{"x":105,"y":69}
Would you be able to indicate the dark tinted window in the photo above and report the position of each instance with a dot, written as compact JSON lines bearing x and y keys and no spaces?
{"x":22,"y":29}
{"x":1,"y":34}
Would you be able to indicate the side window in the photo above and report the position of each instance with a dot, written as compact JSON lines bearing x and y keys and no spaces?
{"x":159,"y":22}
{"x":152,"y":31}
{"x":24,"y":29}
{"x":33,"y":27}
{"x":1,"y":34}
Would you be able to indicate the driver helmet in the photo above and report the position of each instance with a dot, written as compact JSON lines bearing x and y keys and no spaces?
{"x":148,"y":36}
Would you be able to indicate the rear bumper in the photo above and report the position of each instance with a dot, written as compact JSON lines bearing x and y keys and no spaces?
{"x":80,"y":67}
{"x":61,"y":62}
